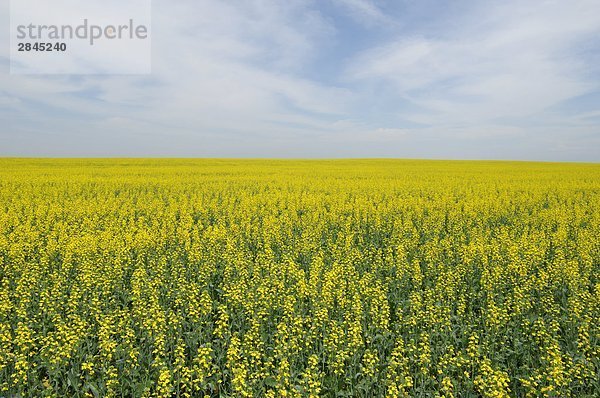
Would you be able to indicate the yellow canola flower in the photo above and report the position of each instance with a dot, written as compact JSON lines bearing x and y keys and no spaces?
{"x":244,"y":278}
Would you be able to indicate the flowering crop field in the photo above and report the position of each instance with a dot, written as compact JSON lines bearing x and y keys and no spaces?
{"x":249,"y":278}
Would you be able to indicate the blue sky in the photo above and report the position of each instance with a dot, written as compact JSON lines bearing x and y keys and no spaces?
{"x":330,"y":78}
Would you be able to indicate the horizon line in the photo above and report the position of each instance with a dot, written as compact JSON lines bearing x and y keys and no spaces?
{"x":307,"y":159}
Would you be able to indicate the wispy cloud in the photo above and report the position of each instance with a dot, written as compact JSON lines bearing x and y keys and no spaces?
{"x":364,"y":11}
{"x":218,"y":68}
{"x":518,"y":63}
{"x":232,"y":79}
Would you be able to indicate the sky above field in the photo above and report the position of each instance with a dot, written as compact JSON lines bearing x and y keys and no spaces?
{"x":330,"y":78}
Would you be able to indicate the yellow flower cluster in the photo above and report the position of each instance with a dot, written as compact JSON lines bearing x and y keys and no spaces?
{"x":252,"y":278}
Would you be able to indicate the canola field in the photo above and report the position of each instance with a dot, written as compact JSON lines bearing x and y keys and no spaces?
{"x":265,"y":278}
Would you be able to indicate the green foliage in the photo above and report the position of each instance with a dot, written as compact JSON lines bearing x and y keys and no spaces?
{"x":178,"y":278}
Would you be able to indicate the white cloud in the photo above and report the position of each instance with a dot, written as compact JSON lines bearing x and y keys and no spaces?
{"x":364,"y":11}
{"x":511,"y":60}
{"x":230,"y":79}
{"x":217,"y":66}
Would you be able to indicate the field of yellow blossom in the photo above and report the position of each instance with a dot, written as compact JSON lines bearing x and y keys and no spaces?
{"x":251,"y":278}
